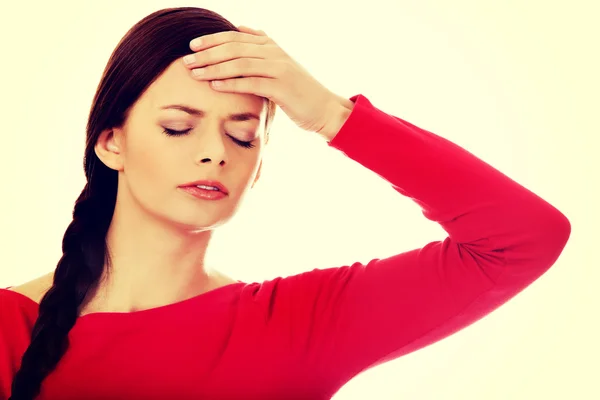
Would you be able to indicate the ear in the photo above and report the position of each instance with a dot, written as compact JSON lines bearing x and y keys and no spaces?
{"x":257,"y":174}
{"x":109,"y":149}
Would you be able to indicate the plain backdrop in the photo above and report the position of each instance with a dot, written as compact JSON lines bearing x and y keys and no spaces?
{"x":514,"y":82}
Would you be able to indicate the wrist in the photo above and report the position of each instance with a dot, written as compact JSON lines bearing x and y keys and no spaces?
{"x":339,"y":114}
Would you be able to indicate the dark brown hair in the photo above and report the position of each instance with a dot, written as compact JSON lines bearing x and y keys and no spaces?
{"x":145,"y":51}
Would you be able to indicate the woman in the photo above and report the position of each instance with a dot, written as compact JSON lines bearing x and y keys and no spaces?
{"x":131,"y":312}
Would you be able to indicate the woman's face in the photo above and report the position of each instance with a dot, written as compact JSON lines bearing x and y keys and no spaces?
{"x":153,"y":165}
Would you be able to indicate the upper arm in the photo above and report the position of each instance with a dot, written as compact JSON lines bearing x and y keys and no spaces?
{"x":17,"y":318}
{"x":351,"y":318}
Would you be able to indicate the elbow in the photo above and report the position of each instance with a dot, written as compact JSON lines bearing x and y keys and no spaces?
{"x":563,"y":229}
{"x":557,"y":238}
{"x":552,"y":240}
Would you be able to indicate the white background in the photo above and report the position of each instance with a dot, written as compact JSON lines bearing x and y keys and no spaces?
{"x":514,"y":82}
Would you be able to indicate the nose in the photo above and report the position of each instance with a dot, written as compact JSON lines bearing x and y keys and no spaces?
{"x":210,"y":147}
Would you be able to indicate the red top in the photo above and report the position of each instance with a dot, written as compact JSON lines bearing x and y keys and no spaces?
{"x":305,"y":336}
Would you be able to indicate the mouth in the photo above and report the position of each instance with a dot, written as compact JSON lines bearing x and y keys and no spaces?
{"x":200,"y":192}
{"x":207,"y":186}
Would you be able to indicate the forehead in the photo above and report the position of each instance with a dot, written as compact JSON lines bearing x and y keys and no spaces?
{"x":176,"y":86}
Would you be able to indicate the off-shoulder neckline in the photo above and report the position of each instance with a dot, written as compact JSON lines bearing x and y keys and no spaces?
{"x":179,"y":306}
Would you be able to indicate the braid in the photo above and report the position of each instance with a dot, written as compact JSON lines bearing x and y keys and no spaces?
{"x":144,"y":53}
{"x":79,"y":269}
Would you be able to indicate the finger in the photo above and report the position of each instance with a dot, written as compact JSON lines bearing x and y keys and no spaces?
{"x":226,"y":52}
{"x":240,"y":67}
{"x":244,"y":28}
{"x":263,"y":87}
{"x":218,"y":38}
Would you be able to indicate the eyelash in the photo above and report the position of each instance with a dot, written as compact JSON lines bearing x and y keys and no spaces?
{"x":173,"y":132}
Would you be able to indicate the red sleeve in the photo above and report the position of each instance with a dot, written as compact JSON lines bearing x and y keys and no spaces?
{"x":16,"y":323}
{"x":501,"y":237}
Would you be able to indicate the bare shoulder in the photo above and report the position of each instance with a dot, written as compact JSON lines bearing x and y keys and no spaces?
{"x":36,"y":288}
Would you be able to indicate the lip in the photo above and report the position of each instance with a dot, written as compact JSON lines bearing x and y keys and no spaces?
{"x":216,"y":184}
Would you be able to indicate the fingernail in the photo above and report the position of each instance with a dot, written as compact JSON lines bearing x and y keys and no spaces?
{"x":189,"y":59}
{"x":196,"y":42}
{"x":198,"y":71}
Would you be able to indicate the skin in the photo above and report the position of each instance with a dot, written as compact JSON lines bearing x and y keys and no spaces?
{"x":159,"y":234}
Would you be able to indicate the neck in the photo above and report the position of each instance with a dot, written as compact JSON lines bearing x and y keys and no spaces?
{"x":152,"y":264}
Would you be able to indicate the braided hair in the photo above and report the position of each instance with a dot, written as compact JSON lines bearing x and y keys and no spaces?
{"x":145,"y":51}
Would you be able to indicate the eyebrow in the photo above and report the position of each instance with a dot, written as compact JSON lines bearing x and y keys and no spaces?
{"x":247,"y":116}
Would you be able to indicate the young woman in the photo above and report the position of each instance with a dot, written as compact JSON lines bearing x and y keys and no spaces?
{"x":131,"y":312}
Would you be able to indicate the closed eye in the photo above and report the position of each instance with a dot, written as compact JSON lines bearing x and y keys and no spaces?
{"x":173,"y":132}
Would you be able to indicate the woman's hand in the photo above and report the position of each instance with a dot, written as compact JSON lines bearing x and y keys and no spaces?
{"x":251,"y":62}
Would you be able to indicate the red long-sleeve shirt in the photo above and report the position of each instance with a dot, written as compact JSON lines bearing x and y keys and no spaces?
{"x":305,"y":336}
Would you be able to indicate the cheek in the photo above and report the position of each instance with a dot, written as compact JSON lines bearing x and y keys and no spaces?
{"x":245,"y":176}
{"x":148,"y":166}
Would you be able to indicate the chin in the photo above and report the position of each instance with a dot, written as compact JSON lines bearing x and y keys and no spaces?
{"x":198,"y":224}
